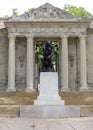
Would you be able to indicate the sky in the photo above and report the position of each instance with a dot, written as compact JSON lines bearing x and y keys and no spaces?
{"x":6,"y":6}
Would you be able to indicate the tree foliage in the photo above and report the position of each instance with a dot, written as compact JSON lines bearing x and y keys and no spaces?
{"x":15,"y":12}
{"x":77,"y":11}
{"x":30,"y":9}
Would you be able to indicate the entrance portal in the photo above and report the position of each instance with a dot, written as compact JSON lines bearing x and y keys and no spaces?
{"x":38,"y":44}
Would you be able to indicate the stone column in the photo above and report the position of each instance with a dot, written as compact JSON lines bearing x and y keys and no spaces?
{"x":30,"y":63}
{"x":11,"y":64}
{"x":64,"y":63}
{"x":83,"y":71}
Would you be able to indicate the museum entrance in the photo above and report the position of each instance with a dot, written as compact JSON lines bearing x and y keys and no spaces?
{"x":38,"y":45}
{"x":73,"y":63}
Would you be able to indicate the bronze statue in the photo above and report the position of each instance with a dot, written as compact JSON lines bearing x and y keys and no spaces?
{"x":48,"y":51}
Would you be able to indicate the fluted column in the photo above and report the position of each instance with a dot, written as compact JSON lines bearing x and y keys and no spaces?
{"x":30,"y":63}
{"x":64,"y":63}
{"x":11,"y":64}
{"x":83,"y":69}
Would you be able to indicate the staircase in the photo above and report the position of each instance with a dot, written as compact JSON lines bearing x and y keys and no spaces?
{"x":10,"y":101}
{"x":77,"y":97}
{"x":18,"y":98}
{"x":82,"y":98}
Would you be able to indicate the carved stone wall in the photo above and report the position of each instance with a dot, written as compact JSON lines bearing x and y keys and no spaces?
{"x":3,"y":59}
{"x":20,"y":61}
{"x":90,"y":58}
{"x":72,"y":59}
{"x":49,"y":30}
{"x":21,"y":48}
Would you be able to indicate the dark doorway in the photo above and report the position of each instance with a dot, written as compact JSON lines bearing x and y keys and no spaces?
{"x":38,"y":43}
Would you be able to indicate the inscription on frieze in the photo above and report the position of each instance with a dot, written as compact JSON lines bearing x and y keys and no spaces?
{"x":49,"y":30}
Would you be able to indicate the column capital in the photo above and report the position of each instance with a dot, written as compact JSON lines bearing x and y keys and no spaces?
{"x":64,"y":36}
{"x":29,"y":36}
{"x":12,"y":36}
{"x":82,"y":36}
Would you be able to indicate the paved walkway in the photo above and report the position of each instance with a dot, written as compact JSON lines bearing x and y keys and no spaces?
{"x":46,"y":124}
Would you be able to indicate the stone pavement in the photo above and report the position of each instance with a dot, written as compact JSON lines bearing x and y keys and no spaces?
{"x":46,"y":124}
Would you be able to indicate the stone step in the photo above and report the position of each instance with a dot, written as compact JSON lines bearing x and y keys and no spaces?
{"x":9,"y":111}
{"x":49,"y":111}
{"x":86,"y":110}
{"x":10,"y":101}
{"x":17,"y":98}
{"x":14,"y":110}
{"x":77,"y":97}
{"x":27,"y":98}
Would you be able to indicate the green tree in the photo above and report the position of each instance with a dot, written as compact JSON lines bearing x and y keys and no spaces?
{"x":6,"y":16}
{"x":15,"y":12}
{"x":30,"y":9}
{"x":77,"y":11}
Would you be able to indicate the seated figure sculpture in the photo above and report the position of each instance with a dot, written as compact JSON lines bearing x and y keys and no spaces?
{"x":48,"y":51}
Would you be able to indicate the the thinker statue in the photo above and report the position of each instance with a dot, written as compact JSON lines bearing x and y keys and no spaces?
{"x":48,"y":52}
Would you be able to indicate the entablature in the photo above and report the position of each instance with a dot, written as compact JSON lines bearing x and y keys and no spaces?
{"x":46,"y":30}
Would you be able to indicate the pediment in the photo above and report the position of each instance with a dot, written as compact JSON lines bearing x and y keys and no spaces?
{"x":47,"y":12}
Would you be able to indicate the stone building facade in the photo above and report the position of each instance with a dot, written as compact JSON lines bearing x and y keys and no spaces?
{"x":18,"y":70}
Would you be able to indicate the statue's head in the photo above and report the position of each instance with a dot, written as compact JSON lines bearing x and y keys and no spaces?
{"x":47,"y":44}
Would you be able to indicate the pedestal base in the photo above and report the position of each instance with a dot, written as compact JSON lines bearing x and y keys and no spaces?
{"x":48,"y":90}
{"x":51,"y":111}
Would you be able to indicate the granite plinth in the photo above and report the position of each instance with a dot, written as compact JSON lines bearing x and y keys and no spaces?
{"x":48,"y":93}
{"x":49,"y":111}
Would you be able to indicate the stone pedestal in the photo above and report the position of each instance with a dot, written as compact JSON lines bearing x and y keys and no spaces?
{"x":48,"y":94}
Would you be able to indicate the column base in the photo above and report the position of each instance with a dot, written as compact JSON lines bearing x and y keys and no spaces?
{"x":30,"y":89}
{"x":65,"y":89}
{"x":83,"y":89}
{"x":11,"y":89}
